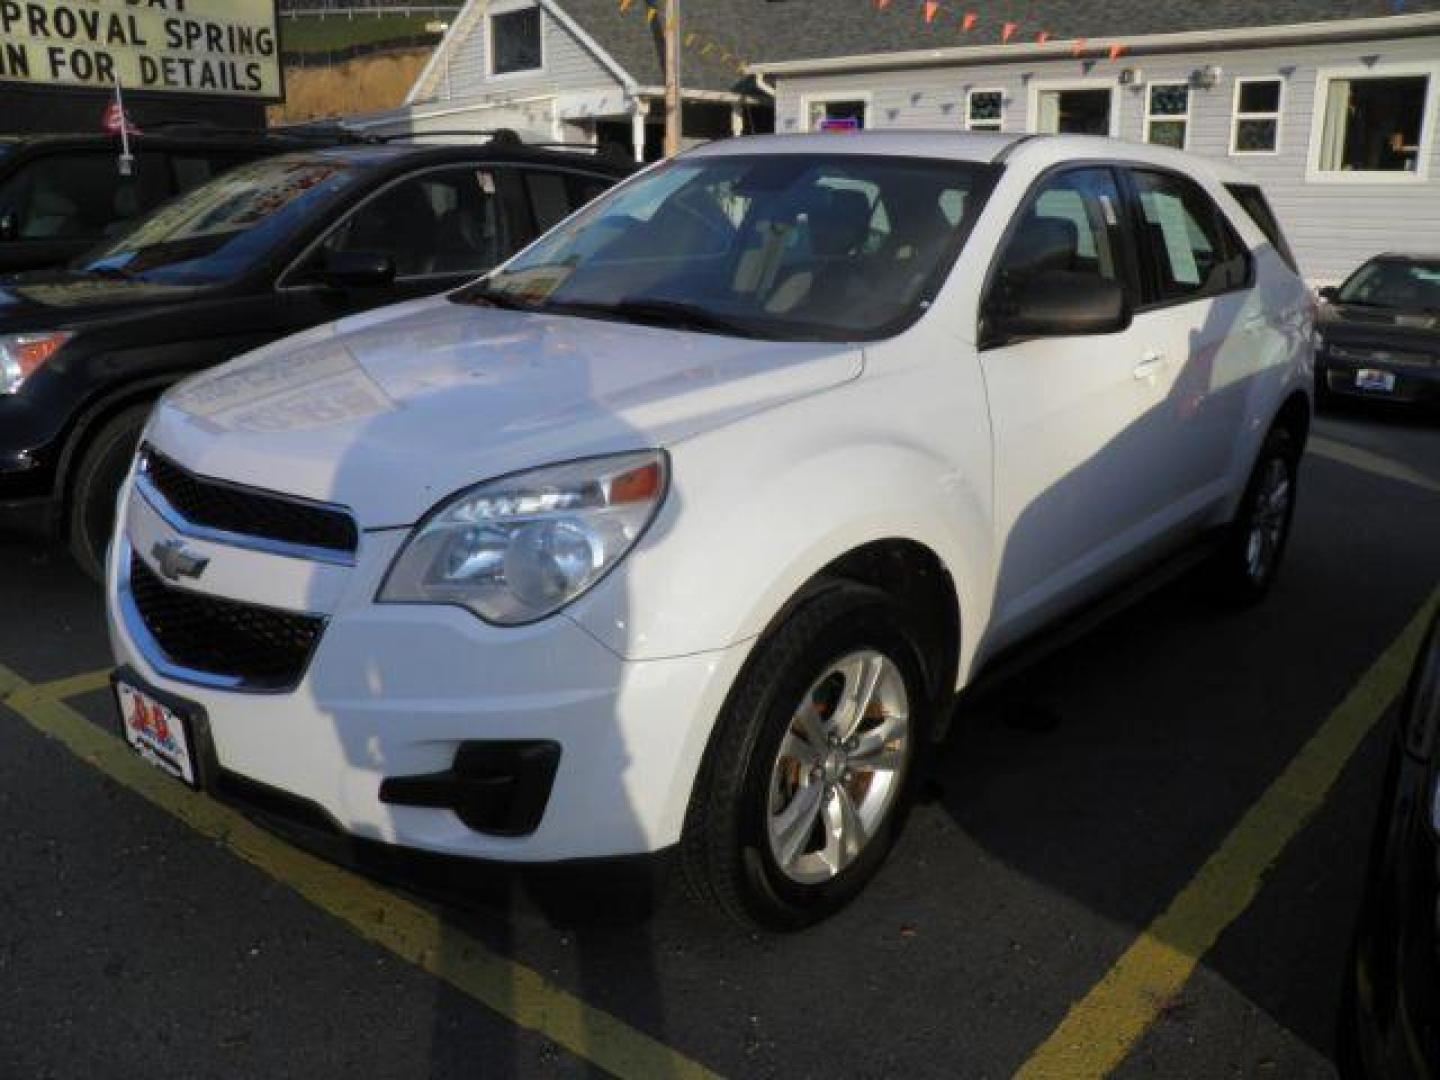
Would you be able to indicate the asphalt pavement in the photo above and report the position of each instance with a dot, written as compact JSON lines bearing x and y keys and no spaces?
{"x":1063,"y":860}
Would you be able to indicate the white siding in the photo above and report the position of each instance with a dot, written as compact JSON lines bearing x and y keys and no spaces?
{"x":568,"y":66}
{"x":1333,"y":227}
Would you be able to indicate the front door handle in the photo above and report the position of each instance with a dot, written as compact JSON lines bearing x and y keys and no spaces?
{"x":1150,"y":366}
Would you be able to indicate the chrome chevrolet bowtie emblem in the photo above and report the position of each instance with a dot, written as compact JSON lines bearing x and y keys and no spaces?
{"x":175,"y":560}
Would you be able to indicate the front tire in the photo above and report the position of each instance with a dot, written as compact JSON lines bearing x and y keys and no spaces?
{"x":810,"y":772}
{"x":98,"y":476}
{"x":1250,"y":559}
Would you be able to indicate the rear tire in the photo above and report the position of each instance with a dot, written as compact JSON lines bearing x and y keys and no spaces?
{"x":98,"y":476}
{"x":1254,"y":548}
{"x":810,"y":771}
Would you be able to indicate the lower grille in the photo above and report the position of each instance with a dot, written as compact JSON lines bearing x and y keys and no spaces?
{"x":244,"y":645}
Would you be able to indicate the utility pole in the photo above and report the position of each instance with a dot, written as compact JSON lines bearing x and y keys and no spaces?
{"x":672,"y":78}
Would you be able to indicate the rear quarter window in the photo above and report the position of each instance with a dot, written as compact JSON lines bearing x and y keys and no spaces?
{"x":1253,"y":200}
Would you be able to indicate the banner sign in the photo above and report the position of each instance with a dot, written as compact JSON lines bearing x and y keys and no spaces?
{"x":227,"y":48}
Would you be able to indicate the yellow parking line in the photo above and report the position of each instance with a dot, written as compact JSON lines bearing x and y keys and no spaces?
{"x":1357,"y":457}
{"x":405,"y":928}
{"x":73,"y":685}
{"x":1102,"y":1027}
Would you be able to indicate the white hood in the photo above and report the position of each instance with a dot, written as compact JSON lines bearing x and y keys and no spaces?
{"x":388,"y":412}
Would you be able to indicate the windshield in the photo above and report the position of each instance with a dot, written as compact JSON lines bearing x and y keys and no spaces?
{"x":842,"y":247}
{"x":221,"y":229}
{"x":1390,"y":283}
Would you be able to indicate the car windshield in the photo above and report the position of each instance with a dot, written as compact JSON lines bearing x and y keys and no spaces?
{"x":1392,"y":283}
{"x":221,"y":229}
{"x":783,"y":246}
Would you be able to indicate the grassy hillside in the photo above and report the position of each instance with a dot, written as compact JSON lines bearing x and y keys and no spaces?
{"x":363,"y":85}
{"x":315,"y":35}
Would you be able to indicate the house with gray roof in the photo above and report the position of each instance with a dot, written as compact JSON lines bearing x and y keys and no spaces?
{"x":1332,"y":105}
{"x":585,"y":70}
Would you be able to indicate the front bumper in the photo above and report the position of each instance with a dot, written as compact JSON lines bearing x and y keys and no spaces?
{"x":1414,"y":384}
{"x":395,"y":691}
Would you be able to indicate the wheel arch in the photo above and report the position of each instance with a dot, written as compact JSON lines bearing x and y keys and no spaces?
{"x":1294,"y":415}
{"x":91,"y":421}
{"x":915,"y":576}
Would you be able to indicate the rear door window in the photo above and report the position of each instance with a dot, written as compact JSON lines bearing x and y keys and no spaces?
{"x":1257,"y":206}
{"x":1189,"y":248}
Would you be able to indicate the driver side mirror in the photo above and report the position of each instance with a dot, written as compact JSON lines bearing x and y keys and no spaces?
{"x":356,"y":270}
{"x":1060,"y":303}
{"x":1328,"y":293}
{"x":9,"y":224}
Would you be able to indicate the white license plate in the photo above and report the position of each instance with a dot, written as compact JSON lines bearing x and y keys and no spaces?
{"x":156,"y":732}
{"x":1370,"y":379}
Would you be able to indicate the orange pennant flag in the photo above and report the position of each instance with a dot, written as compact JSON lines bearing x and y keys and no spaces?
{"x":968,"y":23}
{"x":1077,"y":48}
{"x":1115,"y":51}
{"x":1008,"y":31}
{"x":1042,"y":37}
{"x":931,"y":7}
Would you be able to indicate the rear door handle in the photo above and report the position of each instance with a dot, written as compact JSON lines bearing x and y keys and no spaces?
{"x":1150,"y":366}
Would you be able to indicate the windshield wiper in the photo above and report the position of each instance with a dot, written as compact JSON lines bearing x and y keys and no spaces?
{"x":654,"y":312}
{"x":484,"y":294}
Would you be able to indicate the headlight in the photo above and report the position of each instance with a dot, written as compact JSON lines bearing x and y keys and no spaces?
{"x":520,"y":548}
{"x":22,"y":354}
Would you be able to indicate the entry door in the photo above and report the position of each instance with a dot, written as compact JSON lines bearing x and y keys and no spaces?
{"x":1073,"y":419}
{"x":1080,"y":111}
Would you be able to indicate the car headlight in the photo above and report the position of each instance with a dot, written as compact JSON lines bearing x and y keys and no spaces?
{"x":517,"y":549}
{"x":22,"y":354}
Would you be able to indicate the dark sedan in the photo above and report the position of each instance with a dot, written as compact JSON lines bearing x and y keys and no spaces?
{"x":1381,"y":333}
{"x":1390,"y":1023}
{"x":268,"y":249}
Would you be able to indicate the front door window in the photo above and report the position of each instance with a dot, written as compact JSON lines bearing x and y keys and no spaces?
{"x":1083,"y":111}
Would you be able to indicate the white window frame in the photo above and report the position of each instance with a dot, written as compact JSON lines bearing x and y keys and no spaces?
{"x":1186,"y":117}
{"x":1040,"y":86}
{"x":509,"y":7}
{"x":969,"y":96}
{"x":1236,"y":116}
{"x":1315,"y":175}
{"x":809,"y":101}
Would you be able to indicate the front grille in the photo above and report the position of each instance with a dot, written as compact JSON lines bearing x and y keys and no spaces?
{"x":258,"y":648}
{"x":215,"y":504}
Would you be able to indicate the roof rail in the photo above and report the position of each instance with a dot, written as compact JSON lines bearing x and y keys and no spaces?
{"x":498,"y":136}
{"x":331,"y":133}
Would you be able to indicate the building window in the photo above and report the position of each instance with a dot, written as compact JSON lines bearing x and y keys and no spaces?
{"x":984,"y":110}
{"x":1167,"y":114}
{"x":1372,"y":124}
{"x":515,"y":41}
{"x":1256,"y":127}
{"x":840,"y":114}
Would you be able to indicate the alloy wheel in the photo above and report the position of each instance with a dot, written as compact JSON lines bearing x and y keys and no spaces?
{"x":839,"y":768}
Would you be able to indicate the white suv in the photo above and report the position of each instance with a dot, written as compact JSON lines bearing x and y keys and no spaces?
{"x":685,"y":526}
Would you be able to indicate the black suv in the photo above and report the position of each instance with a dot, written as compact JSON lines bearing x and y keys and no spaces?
{"x":60,"y":195}
{"x":267,"y":249}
